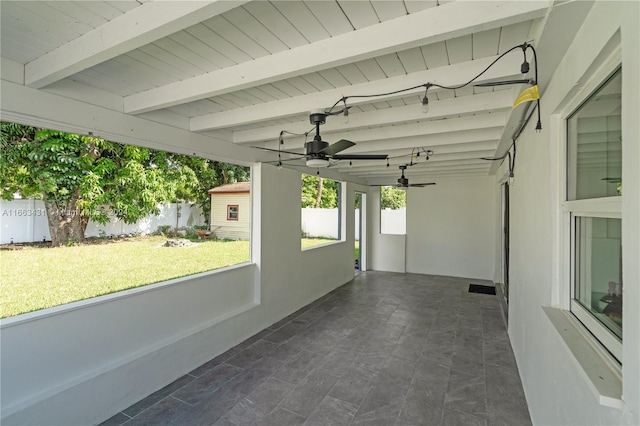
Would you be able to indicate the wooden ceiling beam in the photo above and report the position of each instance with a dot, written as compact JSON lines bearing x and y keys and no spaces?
{"x":138,"y":27}
{"x":448,"y":21}
{"x":506,"y":68}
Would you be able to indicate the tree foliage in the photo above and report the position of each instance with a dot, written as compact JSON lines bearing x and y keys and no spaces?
{"x":82,"y":178}
{"x":392,"y":198}
{"x":318,"y":192}
{"x":201,"y":175}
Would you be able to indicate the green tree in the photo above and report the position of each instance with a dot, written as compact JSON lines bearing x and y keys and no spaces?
{"x":392,"y":198}
{"x":318,"y":192}
{"x":82,"y":178}
{"x":201,"y":175}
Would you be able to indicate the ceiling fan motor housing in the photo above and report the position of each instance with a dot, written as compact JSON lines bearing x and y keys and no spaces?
{"x":403,"y":181}
{"x":315,"y":147}
{"x":318,"y":118}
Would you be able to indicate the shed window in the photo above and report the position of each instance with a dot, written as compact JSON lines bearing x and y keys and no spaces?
{"x":232,"y":212}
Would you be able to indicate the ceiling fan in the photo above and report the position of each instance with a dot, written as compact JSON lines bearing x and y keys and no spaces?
{"x":403,"y":182}
{"x":318,"y":153}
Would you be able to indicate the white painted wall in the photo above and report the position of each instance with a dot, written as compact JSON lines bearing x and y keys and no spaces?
{"x":82,"y":362}
{"x":387,"y":250}
{"x":555,"y":385}
{"x":451,"y":228}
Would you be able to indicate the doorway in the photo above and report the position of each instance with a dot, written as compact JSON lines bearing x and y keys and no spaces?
{"x":360,"y":232}
{"x":505,"y":241}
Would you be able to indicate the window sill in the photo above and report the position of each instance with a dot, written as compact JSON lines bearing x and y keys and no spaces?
{"x":602,"y":375}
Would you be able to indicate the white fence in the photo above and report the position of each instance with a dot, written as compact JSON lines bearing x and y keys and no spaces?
{"x":25,"y":220}
{"x":320,"y":223}
{"x":324,"y":222}
{"x":393,"y":221}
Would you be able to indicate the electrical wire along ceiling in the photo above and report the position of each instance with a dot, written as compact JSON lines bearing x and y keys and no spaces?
{"x":383,"y":79}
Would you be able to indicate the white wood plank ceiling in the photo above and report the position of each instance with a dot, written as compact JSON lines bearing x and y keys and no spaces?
{"x":246,"y":70}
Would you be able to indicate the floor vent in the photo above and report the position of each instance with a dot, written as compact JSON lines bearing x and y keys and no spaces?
{"x":483,"y":289}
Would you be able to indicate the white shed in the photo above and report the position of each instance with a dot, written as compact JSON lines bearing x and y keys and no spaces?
{"x":230,"y":211}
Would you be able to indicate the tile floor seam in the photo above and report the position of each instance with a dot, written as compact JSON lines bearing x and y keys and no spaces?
{"x":181,"y":400}
{"x":153,"y":405}
{"x":364,"y":399}
{"x":484,"y":371}
{"x":404,"y":401}
{"x":486,"y":417}
{"x":146,"y":409}
{"x":288,"y":409}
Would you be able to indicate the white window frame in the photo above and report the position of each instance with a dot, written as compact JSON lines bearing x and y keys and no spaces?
{"x":341,"y":196}
{"x":606,"y":207}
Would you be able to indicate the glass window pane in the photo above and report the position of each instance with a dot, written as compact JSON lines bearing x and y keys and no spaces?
{"x":595,"y":144}
{"x":598,"y":270}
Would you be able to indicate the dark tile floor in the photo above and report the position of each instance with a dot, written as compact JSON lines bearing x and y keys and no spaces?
{"x":384,"y":349}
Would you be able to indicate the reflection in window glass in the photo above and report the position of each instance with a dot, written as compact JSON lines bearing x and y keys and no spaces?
{"x":232,"y":212}
{"x":595,"y":144}
{"x":598,"y":270}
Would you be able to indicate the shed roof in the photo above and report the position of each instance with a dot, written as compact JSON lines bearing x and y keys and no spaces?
{"x":231,"y":187}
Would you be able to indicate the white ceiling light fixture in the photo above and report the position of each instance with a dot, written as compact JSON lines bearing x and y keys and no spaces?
{"x":318,"y":162}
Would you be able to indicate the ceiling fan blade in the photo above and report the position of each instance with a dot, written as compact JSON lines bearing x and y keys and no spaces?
{"x":341,"y":145}
{"x":421,"y":185}
{"x":279,"y":151}
{"x":503,"y":83}
{"x":360,"y":157}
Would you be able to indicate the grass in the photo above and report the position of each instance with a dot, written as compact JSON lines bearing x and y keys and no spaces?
{"x":37,"y":278}
{"x":310,"y":242}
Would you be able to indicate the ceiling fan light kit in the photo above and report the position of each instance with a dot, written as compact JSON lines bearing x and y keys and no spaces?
{"x":425,"y":99}
{"x":319,"y":153}
{"x":317,"y":162}
{"x":425,"y":104}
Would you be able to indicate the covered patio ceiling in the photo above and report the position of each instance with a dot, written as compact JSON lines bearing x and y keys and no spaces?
{"x":244,"y":71}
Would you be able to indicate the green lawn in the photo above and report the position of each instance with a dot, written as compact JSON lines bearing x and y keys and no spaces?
{"x":37,"y":278}
{"x":310,"y":242}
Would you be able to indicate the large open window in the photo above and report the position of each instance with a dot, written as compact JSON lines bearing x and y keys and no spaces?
{"x":83,"y":217}
{"x":321,"y":211}
{"x":393,"y":210}
{"x":594,"y":204}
